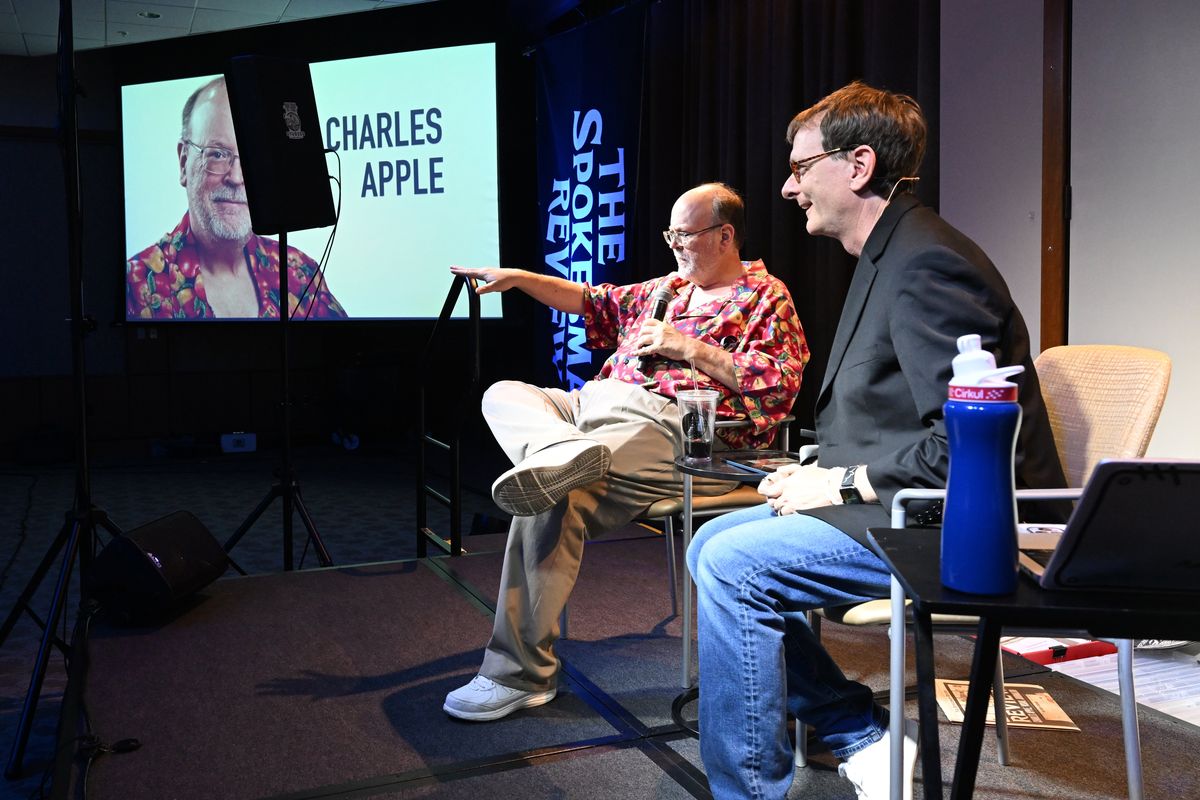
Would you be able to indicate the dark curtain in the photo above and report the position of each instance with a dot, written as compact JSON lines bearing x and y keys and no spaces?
{"x":721,"y":81}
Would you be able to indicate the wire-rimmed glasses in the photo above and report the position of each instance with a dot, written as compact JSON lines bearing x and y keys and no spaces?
{"x":683,"y":237}
{"x":799,"y":168}
{"x":215,"y":160}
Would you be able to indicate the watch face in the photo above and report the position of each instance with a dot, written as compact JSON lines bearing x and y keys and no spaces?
{"x":850,"y":496}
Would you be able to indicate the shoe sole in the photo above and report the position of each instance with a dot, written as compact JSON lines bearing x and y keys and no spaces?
{"x":531,"y":701}
{"x":528,"y":492}
{"x":912,"y":751}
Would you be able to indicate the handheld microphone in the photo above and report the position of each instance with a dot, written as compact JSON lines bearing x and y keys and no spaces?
{"x":658,"y":310}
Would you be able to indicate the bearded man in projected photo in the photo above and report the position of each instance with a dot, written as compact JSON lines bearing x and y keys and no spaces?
{"x":212,"y":265}
{"x":591,"y":460}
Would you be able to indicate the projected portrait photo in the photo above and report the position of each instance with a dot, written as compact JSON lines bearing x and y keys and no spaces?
{"x":411,"y":143}
{"x":211,"y":265}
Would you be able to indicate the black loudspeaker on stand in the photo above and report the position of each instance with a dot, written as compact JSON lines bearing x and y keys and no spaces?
{"x":287,"y":188}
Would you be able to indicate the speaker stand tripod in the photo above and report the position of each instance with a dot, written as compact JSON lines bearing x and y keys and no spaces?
{"x":286,"y":487}
{"x":76,"y":540}
{"x":77,"y":537}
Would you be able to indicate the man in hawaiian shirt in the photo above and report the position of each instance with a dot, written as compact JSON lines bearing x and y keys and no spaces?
{"x":212,"y":264}
{"x":591,"y":460}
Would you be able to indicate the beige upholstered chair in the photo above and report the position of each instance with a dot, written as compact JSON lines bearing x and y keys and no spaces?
{"x":1103,"y":402}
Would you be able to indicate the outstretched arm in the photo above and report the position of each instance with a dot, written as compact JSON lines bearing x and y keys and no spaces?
{"x":550,"y":290}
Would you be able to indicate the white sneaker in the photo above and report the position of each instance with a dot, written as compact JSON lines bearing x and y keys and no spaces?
{"x":869,"y":768}
{"x":545,"y":477}
{"x":1158,"y":644}
{"x":483,"y":699}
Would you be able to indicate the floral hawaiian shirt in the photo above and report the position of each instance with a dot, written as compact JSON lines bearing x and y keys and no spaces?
{"x":757,"y":323}
{"x":164,"y":281}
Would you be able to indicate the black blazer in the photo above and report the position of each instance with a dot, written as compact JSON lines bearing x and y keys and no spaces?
{"x":918,"y":286}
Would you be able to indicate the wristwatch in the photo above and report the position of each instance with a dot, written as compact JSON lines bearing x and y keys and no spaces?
{"x":850,"y":495}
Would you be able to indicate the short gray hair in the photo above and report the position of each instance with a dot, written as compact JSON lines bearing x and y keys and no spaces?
{"x":190,"y":105}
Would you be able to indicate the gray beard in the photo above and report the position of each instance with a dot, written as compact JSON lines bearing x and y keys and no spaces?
{"x":205,"y":213}
{"x":221,"y":229}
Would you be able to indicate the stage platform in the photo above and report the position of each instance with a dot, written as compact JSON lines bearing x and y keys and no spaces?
{"x":329,"y":684}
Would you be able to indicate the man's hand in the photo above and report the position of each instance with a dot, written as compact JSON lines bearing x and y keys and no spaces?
{"x":552,"y":290}
{"x":492,"y":279}
{"x":658,"y":338}
{"x":770,"y":485}
{"x":664,"y":340}
{"x":795,"y":488}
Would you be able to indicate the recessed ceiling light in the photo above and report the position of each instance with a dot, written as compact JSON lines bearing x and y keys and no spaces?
{"x":149,"y":14}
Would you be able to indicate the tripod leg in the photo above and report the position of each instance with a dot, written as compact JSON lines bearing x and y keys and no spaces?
{"x":17,"y":756}
{"x":36,"y":581}
{"x":101,"y":518}
{"x":288,"y":494}
{"x":253,"y":518}
{"x":311,"y":527}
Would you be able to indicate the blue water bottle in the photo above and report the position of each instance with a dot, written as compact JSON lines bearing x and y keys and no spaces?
{"x":979,"y":526}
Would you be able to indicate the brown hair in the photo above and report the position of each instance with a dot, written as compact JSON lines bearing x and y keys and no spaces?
{"x":891,"y":124}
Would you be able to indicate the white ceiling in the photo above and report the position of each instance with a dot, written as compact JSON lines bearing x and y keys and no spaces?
{"x":30,"y":27}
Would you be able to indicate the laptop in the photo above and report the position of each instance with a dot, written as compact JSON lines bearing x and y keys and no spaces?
{"x":1135,"y":528}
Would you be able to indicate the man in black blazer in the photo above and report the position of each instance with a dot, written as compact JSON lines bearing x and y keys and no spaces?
{"x":919,"y":284}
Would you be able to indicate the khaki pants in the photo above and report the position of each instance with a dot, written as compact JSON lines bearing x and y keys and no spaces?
{"x":541,"y":560}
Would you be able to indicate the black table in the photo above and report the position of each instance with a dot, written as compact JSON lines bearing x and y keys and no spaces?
{"x":716,"y":468}
{"x":914,"y":558}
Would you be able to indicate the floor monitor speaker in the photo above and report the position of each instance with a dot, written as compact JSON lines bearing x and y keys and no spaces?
{"x":149,"y":571}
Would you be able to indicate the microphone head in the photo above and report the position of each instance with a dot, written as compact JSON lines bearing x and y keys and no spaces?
{"x":660,"y":298}
{"x":663,"y":294}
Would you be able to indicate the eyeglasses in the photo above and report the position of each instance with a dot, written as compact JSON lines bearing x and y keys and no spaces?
{"x":683,"y":237}
{"x":215,"y":160}
{"x":801,"y":167}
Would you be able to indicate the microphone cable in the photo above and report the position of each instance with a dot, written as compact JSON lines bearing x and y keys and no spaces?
{"x":321,"y":265}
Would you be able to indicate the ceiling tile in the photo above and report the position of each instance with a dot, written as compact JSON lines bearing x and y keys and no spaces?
{"x":12,"y":44}
{"x":273,"y":7}
{"x":168,"y":16}
{"x":31,"y":26}
{"x":87,"y":9}
{"x":37,"y":16}
{"x":140,"y":33}
{"x":208,"y":19}
{"x":319,"y":8}
{"x":39,"y":45}
{"x":87,"y":29}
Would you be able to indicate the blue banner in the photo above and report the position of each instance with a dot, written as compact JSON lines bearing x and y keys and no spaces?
{"x":589,"y":82}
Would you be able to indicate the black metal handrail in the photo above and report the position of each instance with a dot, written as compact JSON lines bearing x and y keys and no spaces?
{"x":453,"y":442}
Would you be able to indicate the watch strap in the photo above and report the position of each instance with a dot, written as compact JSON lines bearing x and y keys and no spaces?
{"x":849,"y":492}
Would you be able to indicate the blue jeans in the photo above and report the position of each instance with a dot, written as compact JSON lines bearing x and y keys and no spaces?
{"x":756,"y":575}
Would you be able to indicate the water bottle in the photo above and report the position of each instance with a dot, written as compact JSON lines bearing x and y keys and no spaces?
{"x":979,"y":526}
